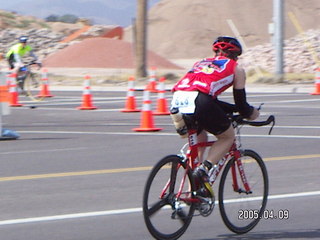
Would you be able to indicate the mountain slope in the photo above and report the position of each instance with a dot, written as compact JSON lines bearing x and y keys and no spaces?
{"x":187,"y":28}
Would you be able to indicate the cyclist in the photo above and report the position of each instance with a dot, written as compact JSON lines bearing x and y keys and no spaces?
{"x":16,"y":52}
{"x":196,"y":94}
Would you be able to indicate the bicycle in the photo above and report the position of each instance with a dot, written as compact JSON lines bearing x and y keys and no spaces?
{"x":29,"y":81}
{"x":173,"y":193}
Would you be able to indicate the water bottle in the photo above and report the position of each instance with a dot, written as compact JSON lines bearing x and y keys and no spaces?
{"x":179,"y":122}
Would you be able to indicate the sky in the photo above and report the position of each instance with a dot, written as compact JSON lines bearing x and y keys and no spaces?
{"x":118,"y":12}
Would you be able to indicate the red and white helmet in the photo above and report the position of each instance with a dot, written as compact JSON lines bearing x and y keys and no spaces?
{"x":230,"y":46}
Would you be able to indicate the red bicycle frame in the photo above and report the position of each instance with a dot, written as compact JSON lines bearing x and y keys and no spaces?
{"x":193,"y":161}
{"x":234,"y":152}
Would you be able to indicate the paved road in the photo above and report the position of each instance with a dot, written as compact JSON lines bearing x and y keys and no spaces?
{"x":79,"y":175}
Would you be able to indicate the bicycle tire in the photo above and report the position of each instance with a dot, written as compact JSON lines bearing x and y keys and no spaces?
{"x":156,"y":213}
{"x":33,"y":87}
{"x":242,"y":211}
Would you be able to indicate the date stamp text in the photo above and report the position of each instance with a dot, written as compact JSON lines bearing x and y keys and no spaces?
{"x":250,"y":214}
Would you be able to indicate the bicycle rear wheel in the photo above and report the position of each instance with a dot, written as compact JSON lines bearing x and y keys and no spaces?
{"x":33,"y":86}
{"x":167,"y":215}
{"x":241,"y":210}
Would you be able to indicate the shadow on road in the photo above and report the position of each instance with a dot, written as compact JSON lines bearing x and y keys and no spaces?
{"x":303,"y":234}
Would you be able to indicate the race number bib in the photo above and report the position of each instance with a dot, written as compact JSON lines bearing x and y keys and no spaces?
{"x":185,"y":101}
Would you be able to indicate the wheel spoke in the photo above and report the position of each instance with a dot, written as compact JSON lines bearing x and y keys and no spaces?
{"x":157,"y":206}
{"x":166,"y":215}
{"x":244,"y":190}
{"x":32,"y":85}
{"x":173,"y":176}
{"x":182,"y":216}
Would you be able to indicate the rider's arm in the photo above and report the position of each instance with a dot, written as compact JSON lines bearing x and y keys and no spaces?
{"x":17,"y":58}
{"x":35,"y":58}
{"x":239,"y":95}
{"x":32,"y":54}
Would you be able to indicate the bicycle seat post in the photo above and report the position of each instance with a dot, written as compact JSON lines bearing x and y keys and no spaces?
{"x":193,"y":147}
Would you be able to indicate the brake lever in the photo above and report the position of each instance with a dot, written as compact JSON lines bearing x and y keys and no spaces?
{"x":260,"y":106}
{"x":273,"y":123}
{"x":271,"y":119}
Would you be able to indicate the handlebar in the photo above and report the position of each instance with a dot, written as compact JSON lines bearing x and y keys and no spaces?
{"x":241,"y":121}
{"x":33,"y":63}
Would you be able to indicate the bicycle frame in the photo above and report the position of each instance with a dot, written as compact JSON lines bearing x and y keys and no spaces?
{"x":23,"y":73}
{"x":183,"y":193}
{"x":191,"y":157}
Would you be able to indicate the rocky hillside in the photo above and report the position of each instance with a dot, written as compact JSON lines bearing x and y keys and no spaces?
{"x":45,"y":38}
{"x":301,"y":54}
{"x":188,"y":40}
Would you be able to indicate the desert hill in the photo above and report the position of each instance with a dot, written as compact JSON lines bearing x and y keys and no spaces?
{"x":186,"y":28}
{"x":99,"y":52}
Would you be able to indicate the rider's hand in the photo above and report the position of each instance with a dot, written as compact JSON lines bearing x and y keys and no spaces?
{"x":254,"y":115}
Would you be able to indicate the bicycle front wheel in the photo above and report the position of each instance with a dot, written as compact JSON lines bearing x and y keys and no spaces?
{"x":167,"y":200}
{"x":33,"y":87}
{"x":240,"y":209}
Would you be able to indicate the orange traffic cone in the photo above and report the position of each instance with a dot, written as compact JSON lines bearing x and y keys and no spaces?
{"x":162,"y":106}
{"x":13,"y":94}
{"x":146,"y":124}
{"x":131,"y":100}
{"x":4,"y":99}
{"x":86,"y":96}
{"x":317,"y":83}
{"x":45,"y":85}
{"x":152,"y":85}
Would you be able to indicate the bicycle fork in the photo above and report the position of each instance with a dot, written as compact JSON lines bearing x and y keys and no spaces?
{"x":238,"y":163}
{"x":236,"y":154}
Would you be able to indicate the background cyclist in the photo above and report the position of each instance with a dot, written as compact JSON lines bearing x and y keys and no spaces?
{"x":17,"y":51}
{"x":14,"y":57}
{"x":196,"y":94}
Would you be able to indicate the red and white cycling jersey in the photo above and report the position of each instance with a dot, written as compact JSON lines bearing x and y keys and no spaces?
{"x":210,"y":75}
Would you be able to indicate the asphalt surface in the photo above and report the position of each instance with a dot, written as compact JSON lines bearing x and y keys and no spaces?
{"x":79,"y":174}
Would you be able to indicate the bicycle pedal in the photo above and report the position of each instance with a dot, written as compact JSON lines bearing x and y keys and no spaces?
{"x":201,"y":192}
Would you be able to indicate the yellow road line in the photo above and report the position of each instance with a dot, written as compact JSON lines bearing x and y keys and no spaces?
{"x":123,"y":170}
{"x":70,"y":174}
{"x":292,"y":157}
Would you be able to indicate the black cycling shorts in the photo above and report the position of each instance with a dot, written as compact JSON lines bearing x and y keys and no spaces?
{"x":209,"y":115}
{"x":11,"y":61}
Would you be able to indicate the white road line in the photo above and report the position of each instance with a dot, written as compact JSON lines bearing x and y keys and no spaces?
{"x":299,"y":127}
{"x":133,"y":210}
{"x":40,"y":105}
{"x":295,"y":101}
{"x":46,"y":150}
{"x":282,"y":136}
{"x":293,"y":106}
{"x":75,"y":109}
{"x":163,"y":134}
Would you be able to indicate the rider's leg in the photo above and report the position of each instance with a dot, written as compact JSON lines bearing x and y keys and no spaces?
{"x":202,"y":137}
{"x":223,"y":144}
{"x":213,"y":119}
{"x":16,"y":69}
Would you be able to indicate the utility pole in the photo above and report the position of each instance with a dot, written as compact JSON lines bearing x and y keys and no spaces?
{"x":141,"y":39}
{"x":278,"y":38}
